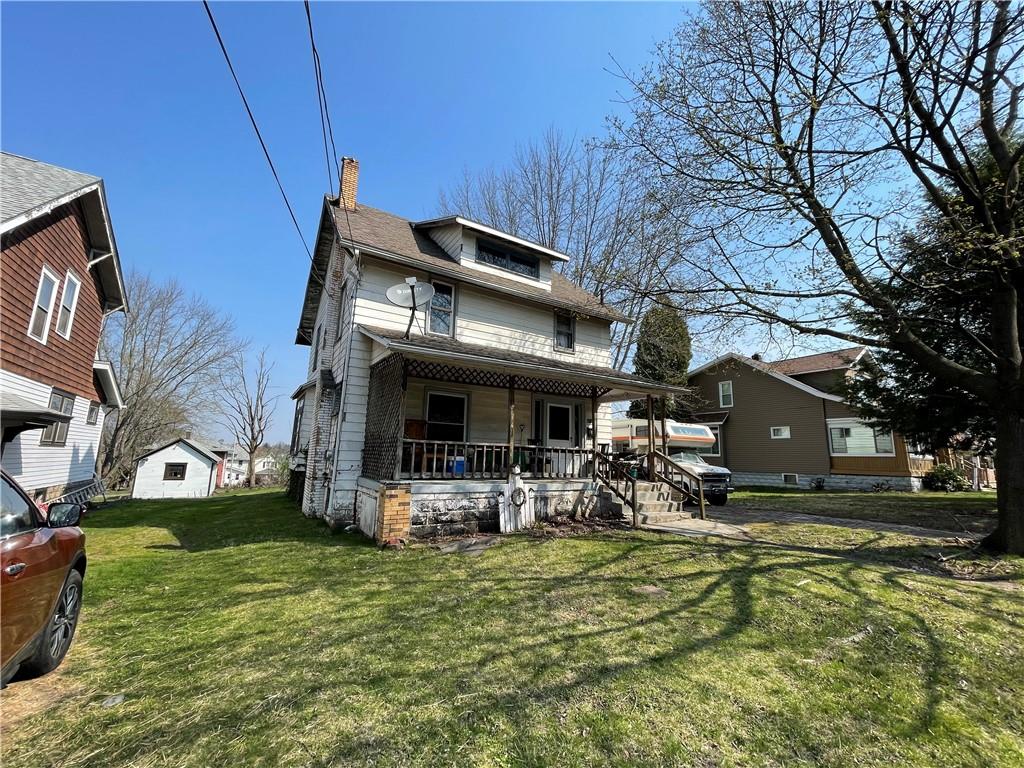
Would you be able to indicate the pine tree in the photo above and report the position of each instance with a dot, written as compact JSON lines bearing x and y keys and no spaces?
{"x":662,"y":354}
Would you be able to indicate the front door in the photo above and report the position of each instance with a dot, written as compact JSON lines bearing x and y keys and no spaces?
{"x":559,"y":426}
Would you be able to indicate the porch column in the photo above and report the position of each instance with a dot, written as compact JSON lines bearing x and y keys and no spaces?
{"x":511,"y":422}
{"x":650,"y":437}
{"x":664,"y":427}
{"x":593,"y":421}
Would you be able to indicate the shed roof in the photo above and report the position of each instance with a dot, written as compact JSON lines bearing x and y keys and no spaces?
{"x":196,"y":446}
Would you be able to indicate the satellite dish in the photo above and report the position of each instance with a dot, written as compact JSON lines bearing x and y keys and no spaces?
{"x":410,"y":295}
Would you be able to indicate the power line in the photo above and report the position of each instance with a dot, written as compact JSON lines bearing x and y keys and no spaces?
{"x":320,"y":101}
{"x":256,"y":128}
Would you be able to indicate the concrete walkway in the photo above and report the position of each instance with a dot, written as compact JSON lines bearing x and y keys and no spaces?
{"x":730,"y":523}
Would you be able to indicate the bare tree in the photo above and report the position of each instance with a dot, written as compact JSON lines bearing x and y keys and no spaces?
{"x":246,"y":407}
{"x":800,"y":141}
{"x":576,"y":198}
{"x":169,"y":353}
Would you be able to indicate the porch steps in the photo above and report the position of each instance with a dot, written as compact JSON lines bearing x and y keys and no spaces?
{"x":657,"y":504}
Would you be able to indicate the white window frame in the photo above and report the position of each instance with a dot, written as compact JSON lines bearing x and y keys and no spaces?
{"x":430,"y":312}
{"x":732,"y":394}
{"x":831,"y":424}
{"x":45,"y":272}
{"x":794,"y":475}
{"x":784,"y":433}
{"x":70,"y":277}
{"x":571,"y":349}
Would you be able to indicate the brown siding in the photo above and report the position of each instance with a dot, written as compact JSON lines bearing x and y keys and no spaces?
{"x":59,"y":241}
{"x":889,"y":466}
{"x":762,"y":402}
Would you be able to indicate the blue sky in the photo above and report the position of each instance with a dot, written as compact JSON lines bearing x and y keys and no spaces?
{"x":140,"y":95}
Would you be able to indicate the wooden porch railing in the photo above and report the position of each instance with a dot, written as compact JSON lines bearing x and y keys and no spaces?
{"x":691,"y":486}
{"x":447,"y":460}
{"x":617,"y":478}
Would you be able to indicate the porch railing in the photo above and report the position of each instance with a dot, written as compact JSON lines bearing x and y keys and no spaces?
{"x":447,"y":460}
{"x":621,"y":480}
{"x":681,"y":480}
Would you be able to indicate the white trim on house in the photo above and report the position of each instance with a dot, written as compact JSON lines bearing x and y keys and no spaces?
{"x":491,"y":232}
{"x":763,"y":368}
{"x":104,"y":369}
{"x":45,"y":272}
{"x":69,"y":277}
{"x":722,"y":394}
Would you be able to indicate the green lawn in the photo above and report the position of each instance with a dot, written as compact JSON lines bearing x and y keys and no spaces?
{"x":972,"y":511}
{"x":242,"y":634}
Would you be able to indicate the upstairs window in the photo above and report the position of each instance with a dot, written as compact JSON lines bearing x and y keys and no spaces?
{"x":725,"y":399}
{"x":68,"y":304}
{"x":565,"y":331}
{"x":57,"y":433}
{"x":520,"y":263}
{"x":94,"y":413}
{"x":39,"y":325}
{"x":441,"y":319}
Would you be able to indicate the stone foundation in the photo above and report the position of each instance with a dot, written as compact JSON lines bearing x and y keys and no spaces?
{"x":832,"y":482}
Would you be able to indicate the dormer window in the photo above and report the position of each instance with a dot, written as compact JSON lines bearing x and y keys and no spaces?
{"x":520,"y":263}
{"x":565,"y":331}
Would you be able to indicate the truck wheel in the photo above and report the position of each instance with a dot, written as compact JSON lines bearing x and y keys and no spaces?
{"x":60,"y":629}
{"x":717,"y":501}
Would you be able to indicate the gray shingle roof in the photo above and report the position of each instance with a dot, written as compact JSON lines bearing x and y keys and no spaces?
{"x":27,"y":184}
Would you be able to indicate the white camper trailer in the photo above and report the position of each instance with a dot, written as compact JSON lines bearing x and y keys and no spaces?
{"x":631,"y":435}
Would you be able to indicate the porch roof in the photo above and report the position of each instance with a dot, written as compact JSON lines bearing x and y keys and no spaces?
{"x":612,"y":384}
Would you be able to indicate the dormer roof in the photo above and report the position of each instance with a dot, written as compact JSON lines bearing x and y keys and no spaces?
{"x":490,"y":232}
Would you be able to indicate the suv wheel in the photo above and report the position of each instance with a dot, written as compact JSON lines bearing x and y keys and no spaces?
{"x":60,"y":629}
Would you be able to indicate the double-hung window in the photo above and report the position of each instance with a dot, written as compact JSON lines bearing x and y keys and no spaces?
{"x":39,"y":325}
{"x":446,"y":416}
{"x":441,"y":318}
{"x":725,"y":399}
{"x":565,"y":331}
{"x":94,"y":413}
{"x":68,"y":304}
{"x":57,"y":433}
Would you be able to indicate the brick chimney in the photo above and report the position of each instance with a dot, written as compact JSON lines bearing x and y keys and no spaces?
{"x":349,"y":182}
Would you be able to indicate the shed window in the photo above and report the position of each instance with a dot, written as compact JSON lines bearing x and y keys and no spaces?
{"x":68,"y":304}
{"x":565,"y":331}
{"x":725,"y":399}
{"x":175,"y":471}
{"x":39,"y":325}
{"x":442,"y":310}
{"x":57,"y":433}
{"x":520,"y":263}
{"x":94,"y":413}
{"x":446,"y":416}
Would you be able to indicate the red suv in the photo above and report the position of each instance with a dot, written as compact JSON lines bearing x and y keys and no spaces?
{"x":42,"y":564}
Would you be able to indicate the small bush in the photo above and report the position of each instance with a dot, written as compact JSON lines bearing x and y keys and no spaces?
{"x":817,"y":484}
{"x":943,"y":477}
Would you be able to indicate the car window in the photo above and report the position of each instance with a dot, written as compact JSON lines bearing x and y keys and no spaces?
{"x":16,"y":514}
{"x":693,"y":458}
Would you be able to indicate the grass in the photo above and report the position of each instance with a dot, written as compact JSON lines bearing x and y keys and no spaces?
{"x":972,"y":511}
{"x":241,"y":633}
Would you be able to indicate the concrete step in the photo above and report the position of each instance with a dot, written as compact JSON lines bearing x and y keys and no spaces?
{"x":643,"y":497}
{"x":665,"y":518}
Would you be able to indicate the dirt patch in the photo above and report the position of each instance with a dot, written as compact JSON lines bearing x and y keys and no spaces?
{"x":24,"y":699}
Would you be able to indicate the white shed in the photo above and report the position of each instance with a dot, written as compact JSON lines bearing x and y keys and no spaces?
{"x":177,"y":470}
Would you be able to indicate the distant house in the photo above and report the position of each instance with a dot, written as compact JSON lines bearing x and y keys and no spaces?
{"x":182,"y":468}
{"x":782,"y":423}
{"x":60,"y":278}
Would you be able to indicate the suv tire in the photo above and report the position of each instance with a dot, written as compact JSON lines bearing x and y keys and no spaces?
{"x":60,"y":629}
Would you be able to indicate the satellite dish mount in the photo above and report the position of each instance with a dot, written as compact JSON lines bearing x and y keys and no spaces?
{"x":410,"y":294}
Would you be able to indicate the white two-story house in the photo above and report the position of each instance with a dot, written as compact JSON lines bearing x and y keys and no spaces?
{"x":411,"y":422}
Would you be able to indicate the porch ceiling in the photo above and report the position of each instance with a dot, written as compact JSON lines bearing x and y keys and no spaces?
{"x":444,"y":358}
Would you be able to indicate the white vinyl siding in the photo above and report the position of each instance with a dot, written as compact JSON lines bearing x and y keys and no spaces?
{"x":200,"y":474}
{"x":42,"y":309}
{"x":37,"y":466}
{"x":850,"y":437}
{"x":68,"y":304}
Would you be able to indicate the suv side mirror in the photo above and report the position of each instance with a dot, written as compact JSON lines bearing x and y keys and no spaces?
{"x":63,"y":514}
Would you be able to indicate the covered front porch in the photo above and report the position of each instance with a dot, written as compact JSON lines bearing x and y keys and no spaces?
{"x":462,"y":421}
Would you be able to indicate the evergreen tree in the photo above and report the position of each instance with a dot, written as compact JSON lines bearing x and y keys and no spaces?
{"x":662,"y":354}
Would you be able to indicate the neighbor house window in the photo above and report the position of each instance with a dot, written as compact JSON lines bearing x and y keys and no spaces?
{"x":852,"y":438}
{"x":446,"y":416}
{"x":520,"y":263}
{"x":780,"y":433}
{"x":68,"y":303}
{"x":39,"y":325}
{"x":442,"y":310}
{"x":716,"y":448}
{"x":94,"y":413}
{"x":725,"y":394}
{"x":790,"y":478}
{"x":57,"y":433}
{"x":565,"y":331}
{"x":175,"y":471}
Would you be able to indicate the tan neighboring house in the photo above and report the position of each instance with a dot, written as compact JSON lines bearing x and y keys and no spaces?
{"x":781,"y":424}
